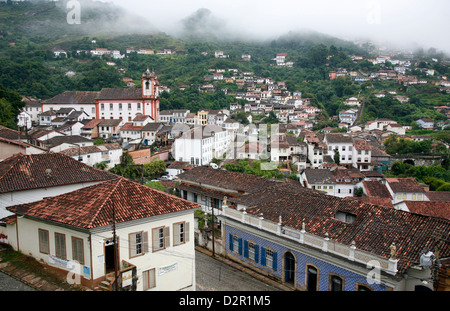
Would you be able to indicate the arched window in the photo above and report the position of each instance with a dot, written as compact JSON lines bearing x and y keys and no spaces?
{"x":289,"y":268}
{"x":362,"y":288}
{"x":147,"y":85}
{"x":311,"y":278}
{"x":336,"y":283}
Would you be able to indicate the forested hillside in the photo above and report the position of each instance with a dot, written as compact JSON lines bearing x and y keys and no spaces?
{"x":30,"y":32}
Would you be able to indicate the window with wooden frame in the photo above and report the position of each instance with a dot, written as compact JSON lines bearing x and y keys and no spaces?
{"x":44,"y":246}
{"x":138,"y":243}
{"x":149,"y":279}
{"x":336,"y":283}
{"x":180,"y":233}
{"x":269,"y":258}
{"x":235,"y":244}
{"x":60,"y":245}
{"x":160,"y":238}
{"x":251,"y":250}
{"x":78,"y":250}
{"x":363,"y":288}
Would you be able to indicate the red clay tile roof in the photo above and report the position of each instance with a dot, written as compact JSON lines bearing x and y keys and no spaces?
{"x":11,"y":134}
{"x":93,"y":206}
{"x":244,"y":183}
{"x":386,"y":202}
{"x":430,"y":208}
{"x":438,"y":195}
{"x":73,"y":97}
{"x":404,"y":185}
{"x":374,"y":229}
{"x":92,"y":124}
{"x":178,"y":165}
{"x":119,"y":93}
{"x":25,"y":172}
{"x":375,"y":188}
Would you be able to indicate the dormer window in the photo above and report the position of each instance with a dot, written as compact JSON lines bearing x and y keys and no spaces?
{"x":345,"y":217}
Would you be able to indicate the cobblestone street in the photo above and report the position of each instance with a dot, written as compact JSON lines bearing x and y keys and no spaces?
{"x":7,"y":283}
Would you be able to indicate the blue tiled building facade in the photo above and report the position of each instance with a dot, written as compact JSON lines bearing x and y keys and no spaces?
{"x":291,"y":266}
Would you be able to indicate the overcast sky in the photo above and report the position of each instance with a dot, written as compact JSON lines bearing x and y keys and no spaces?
{"x":424,"y":22}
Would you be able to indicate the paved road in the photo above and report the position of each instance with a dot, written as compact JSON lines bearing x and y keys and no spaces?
{"x":215,"y":275}
{"x":212,"y":275}
{"x":8,"y":283}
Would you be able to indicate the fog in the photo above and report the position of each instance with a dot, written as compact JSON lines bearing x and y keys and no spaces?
{"x":397,"y":23}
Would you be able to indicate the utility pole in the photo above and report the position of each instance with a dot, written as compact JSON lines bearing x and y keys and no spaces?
{"x":213,"y":226}
{"x":115,"y":249}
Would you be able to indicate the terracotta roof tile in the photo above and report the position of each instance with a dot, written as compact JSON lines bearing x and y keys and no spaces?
{"x":25,"y":172}
{"x":241,"y":182}
{"x":430,"y":208}
{"x":74,"y":97}
{"x":375,"y":188}
{"x":93,"y":206}
{"x":374,"y":229}
{"x":404,"y":185}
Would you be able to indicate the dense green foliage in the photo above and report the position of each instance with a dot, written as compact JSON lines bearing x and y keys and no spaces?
{"x":10,"y":105}
{"x":29,"y":67}
{"x":255,"y":167}
{"x":396,"y":145}
{"x":437,"y":177}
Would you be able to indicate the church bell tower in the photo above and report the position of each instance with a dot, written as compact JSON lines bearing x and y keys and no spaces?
{"x":149,"y":85}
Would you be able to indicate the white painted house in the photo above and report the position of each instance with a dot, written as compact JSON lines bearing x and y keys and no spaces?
{"x":101,"y":238}
{"x":342,"y":143}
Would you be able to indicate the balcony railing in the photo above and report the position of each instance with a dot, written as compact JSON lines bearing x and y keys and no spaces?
{"x":349,"y":252}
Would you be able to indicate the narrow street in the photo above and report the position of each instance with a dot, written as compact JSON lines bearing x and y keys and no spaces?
{"x":8,"y":283}
{"x":214,"y":275}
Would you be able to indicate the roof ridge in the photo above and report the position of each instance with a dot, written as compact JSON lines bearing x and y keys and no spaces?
{"x":108,"y":197}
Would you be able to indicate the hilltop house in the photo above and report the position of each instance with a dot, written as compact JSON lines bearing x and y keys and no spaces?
{"x":103,"y":238}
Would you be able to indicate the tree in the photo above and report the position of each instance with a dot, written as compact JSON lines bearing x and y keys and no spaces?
{"x":154,"y":169}
{"x":271,"y":119}
{"x":337,"y":157}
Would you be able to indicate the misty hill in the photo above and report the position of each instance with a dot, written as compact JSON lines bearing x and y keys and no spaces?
{"x":203,"y":25}
{"x":44,"y":22}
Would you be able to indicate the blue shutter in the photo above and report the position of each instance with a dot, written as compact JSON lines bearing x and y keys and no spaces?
{"x":274,"y":261}
{"x":240,"y":246}
{"x":246,"y":249}
{"x":256,"y":253}
{"x":231,"y":242}
{"x":263,"y":256}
